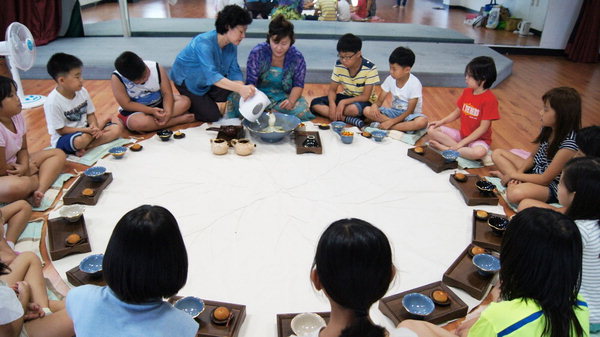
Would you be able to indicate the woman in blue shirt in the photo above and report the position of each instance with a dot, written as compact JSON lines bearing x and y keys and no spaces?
{"x":207,"y":71}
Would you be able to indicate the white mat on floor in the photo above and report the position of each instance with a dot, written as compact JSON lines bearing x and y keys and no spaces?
{"x":251,"y":224}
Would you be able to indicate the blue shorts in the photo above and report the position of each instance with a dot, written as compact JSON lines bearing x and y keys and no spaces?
{"x":65,"y":142}
{"x":393,"y":113}
{"x":324,"y":100}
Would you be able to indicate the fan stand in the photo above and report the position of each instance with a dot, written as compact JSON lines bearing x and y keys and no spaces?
{"x":27,"y":101}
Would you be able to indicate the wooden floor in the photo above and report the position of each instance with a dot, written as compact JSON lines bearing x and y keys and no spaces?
{"x":417,"y":11}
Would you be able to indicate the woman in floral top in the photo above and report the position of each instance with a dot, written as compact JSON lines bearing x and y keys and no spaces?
{"x":278,"y":69}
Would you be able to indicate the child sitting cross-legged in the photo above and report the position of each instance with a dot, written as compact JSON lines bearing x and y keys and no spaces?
{"x":540,"y":277}
{"x":69,"y":110}
{"x":357,"y":76}
{"x":145,"y":261}
{"x":477,"y":107}
{"x":405,"y":113}
{"x":22,"y":175}
{"x":144,"y":93}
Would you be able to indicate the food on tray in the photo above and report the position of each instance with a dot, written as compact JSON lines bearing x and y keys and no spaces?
{"x":73,"y":239}
{"x":477,"y":250}
{"x":419,"y":150}
{"x":136,"y":147}
{"x":440,"y":296}
{"x":178,"y":135}
{"x":88,"y":192}
{"x":481,"y":215}
{"x":347,"y":133}
{"x":220,"y":315}
{"x":460,"y":176}
{"x":366,"y":134}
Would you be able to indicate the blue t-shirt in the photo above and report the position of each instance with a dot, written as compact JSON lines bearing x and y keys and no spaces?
{"x":202,"y":63}
{"x":96,"y":311}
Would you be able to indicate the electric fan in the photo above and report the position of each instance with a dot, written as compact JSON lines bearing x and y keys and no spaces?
{"x":19,"y":49}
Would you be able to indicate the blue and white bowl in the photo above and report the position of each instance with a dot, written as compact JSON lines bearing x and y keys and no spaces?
{"x":486,"y":264}
{"x":418,"y":304}
{"x":92,"y":264}
{"x":378,"y":135}
{"x":118,"y":151}
{"x":450,"y":155}
{"x":338,"y":126}
{"x":95,"y":173}
{"x":191,"y":305}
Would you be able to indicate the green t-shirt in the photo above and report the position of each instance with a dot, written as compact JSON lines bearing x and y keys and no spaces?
{"x":520,"y":318}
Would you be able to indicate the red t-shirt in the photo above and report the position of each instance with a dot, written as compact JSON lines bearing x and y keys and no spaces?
{"x":474,"y":109}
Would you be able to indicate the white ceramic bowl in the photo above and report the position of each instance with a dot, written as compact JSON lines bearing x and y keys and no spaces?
{"x":72,"y":212}
{"x":306,"y":323}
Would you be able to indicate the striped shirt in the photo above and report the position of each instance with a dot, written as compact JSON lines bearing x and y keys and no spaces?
{"x":590,"y":281}
{"x":354,"y":86}
{"x":541,"y":160}
{"x":328,"y":10}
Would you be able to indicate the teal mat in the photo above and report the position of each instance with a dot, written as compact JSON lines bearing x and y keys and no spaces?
{"x":92,"y":156}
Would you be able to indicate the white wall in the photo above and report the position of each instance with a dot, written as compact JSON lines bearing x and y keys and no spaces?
{"x":559,"y":23}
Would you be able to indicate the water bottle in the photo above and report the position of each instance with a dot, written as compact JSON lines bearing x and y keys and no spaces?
{"x":493,"y":18}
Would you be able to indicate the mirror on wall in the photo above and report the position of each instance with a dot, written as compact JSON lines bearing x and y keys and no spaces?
{"x":102,"y":17}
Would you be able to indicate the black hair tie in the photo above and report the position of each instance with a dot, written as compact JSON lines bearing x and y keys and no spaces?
{"x":361,"y":313}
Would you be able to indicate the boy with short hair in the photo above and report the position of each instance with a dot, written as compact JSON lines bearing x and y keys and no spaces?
{"x":69,"y":109}
{"x":405,"y":113}
{"x":357,"y":76}
{"x":144,"y":93}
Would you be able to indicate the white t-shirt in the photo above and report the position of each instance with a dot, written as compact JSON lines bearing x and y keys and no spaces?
{"x":398,"y":332}
{"x":61,"y":111}
{"x":590,"y":281}
{"x":343,"y":10}
{"x":10,"y":307}
{"x":400,"y":96}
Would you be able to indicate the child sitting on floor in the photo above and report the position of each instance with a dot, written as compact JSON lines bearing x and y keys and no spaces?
{"x":24,"y":305}
{"x":145,"y":261}
{"x":357,"y":76}
{"x":144,"y":93}
{"x":69,"y":110}
{"x":477,"y":107}
{"x":540,"y":302}
{"x":13,"y":219}
{"x":405,"y":113}
{"x":353,"y":266}
{"x":537,"y":177}
{"x":578,"y":191}
{"x":22,"y":175}
{"x":588,"y":142}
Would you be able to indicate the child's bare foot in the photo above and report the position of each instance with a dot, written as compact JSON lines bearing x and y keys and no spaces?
{"x":80,"y":153}
{"x":498,"y":174}
{"x":188,"y":118}
{"x":37,"y":198}
{"x":437,"y":145}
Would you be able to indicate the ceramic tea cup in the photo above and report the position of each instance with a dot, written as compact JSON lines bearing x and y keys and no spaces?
{"x":219,"y":146}
{"x":243,"y":147}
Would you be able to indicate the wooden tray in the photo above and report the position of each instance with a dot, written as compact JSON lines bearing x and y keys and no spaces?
{"x":209,"y":329}
{"x":73,"y":196}
{"x":470,"y":192}
{"x":391,"y":306}
{"x":463,"y":274}
{"x":433,"y":159}
{"x":300,"y":137}
{"x":483,"y":236}
{"x":240,"y":132}
{"x":78,"y":278}
{"x":284,"y":323}
{"x":59,"y":229}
